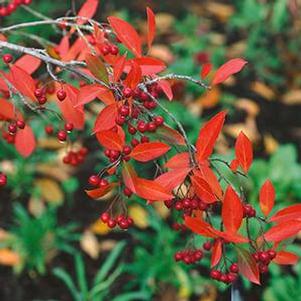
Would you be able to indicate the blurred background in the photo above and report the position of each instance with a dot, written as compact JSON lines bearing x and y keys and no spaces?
{"x":52,"y":244}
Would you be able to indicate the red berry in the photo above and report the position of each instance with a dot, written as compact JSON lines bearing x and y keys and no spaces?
{"x":207,"y":245}
{"x":141,"y":127}
{"x":105,"y":217}
{"x":62,"y":135}
{"x":203,"y":206}
{"x":7,"y":58}
{"x":131,"y":130}
{"x":27,"y":2}
{"x":111,"y":223}
{"x":105,"y":49}
{"x":178,"y":205}
{"x":124,"y":110}
{"x":127,"y":92}
{"x":159,"y":120}
{"x":223,"y":278}
{"x":144,"y":139}
{"x":114,"y":49}
{"x":143,"y":96}
{"x":94,"y":180}
{"x":134,"y":142}
{"x":263,"y":268}
{"x":264,"y":257}
{"x":120,"y":120}
{"x":127,"y":192}
{"x":123,"y":224}
{"x":231,"y":277}
{"x":127,"y":150}
{"x":49,"y":129}
{"x":42,"y":100}
{"x":234,"y":268}
{"x":3,"y":180}
{"x":38,"y":93}
{"x":215,"y":274}
{"x":103,"y":183}
{"x":83,"y":151}
{"x":61,"y":94}
{"x":20,"y":124}
{"x":12,"y":128}
{"x":272,"y":254}
{"x":69,"y":127}
{"x":151,"y":126}
{"x":11,"y":7}
{"x":178,"y":256}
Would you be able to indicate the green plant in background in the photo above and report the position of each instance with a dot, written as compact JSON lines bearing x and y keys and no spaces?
{"x":107,"y":274}
{"x":37,"y":239}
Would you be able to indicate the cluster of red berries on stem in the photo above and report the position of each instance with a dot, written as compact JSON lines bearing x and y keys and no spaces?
{"x":121,"y":220}
{"x":189,"y":256}
{"x":226,"y":278}
{"x":75,"y":158}
{"x":3,"y":179}
{"x":263,"y":258}
{"x":106,"y":49}
{"x":12,"y":129}
{"x":97,"y":181}
{"x":12,"y":6}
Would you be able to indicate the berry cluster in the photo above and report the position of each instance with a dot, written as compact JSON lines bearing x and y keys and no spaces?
{"x":95,"y":180}
{"x":75,"y":158}
{"x":226,"y":278}
{"x":12,"y":6}
{"x":263,"y":259}
{"x":249,"y":211}
{"x":3,"y":179}
{"x":12,"y":128}
{"x":189,"y":256}
{"x":121,"y":220}
{"x":106,"y":49}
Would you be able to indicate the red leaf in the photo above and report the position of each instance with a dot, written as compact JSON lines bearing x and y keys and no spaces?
{"x":134,"y":76}
{"x":233,"y":237}
{"x":150,"y":65}
{"x":216,"y":252}
{"x":178,"y":161}
{"x":28,"y":63}
{"x":7,"y":110}
{"x":106,"y":119}
{"x":203,"y":190}
{"x":285,"y":257}
{"x":129,"y":176}
{"x":111,"y":140}
{"x":126,"y":34}
{"x":283,"y":231}
{"x":247,"y":265}
{"x":232,"y":211}
{"x":25,"y":141}
{"x":173,"y":178}
{"x":234,"y":165}
{"x":166,"y":87}
{"x":208,"y":135}
{"x":151,"y":24}
{"x":244,"y":151}
{"x":288,"y":213}
{"x":206,"y":68}
{"x":170,"y":135}
{"x":97,"y":67}
{"x":200,"y":227}
{"x":151,"y":190}
{"x":89,"y":93}
{"x":226,"y":70}
{"x":87,"y":10}
{"x":118,"y":68}
{"x":23,"y":82}
{"x":99,"y":192}
{"x":267,"y":197}
{"x":145,"y":152}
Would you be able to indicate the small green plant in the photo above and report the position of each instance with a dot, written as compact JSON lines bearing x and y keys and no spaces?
{"x":37,"y":239}
{"x":98,"y":290}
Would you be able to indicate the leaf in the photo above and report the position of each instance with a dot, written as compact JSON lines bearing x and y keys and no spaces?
{"x":87,"y":10}
{"x":9,"y":257}
{"x":244,"y":151}
{"x":208,"y":135}
{"x":285,"y":257}
{"x":23,"y":82}
{"x":232,"y":211}
{"x":145,"y":152}
{"x":25,"y":141}
{"x":247,"y":265}
{"x":206,"y":68}
{"x":166,"y":87}
{"x":106,"y":119}
{"x":267,"y":197}
{"x":200,"y":227}
{"x":226,"y":70}
{"x":100,"y":192}
{"x":97,"y":67}
{"x":28,"y":63}
{"x":129,"y":176}
{"x":89,"y":244}
{"x":118,"y":68}
{"x":134,"y":76}
{"x":150,"y":65}
{"x":233,"y":237}
{"x":178,"y":161}
{"x":173,"y":178}
{"x":126,"y":34}
{"x":283,"y":231}
{"x":203,"y":190}
{"x":7,"y":110}
{"x":151,"y":25}
{"x":170,"y":135}
{"x":151,"y":190}
{"x":216,"y":252}
{"x":88,"y":93}
{"x":50,"y":190}
{"x":140,"y":216}
{"x":110,"y":140}
{"x":288,"y":213}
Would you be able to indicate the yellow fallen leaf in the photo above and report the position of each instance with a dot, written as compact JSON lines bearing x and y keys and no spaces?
{"x":263,"y":90}
{"x":210,"y":98}
{"x":221,"y":11}
{"x":100,"y":228}
{"x":89,"y":244}
{"x":270,"y":143}
{"x":162,"y":210}
{"x":36,"y":206}
{"x":50,"y":190}
{"x":139,"y":215}
{"x":248,"y":105}
{"x":9,"y":257}
{"x":292,"y":97}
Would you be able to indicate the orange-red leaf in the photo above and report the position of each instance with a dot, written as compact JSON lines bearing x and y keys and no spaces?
{"x":231,"y":67}
{"x":101,"y":191}
{"x":206,"y":68}
{"x":283,"y":231}
{"x":170,"y":135}
{"x":247,"y":265}
{"x":106,"y":119}
{"x":150,"y":65}
{"x":118,"y":68}
{"x":244,"y":151}
{"x":267,"y":197}
{"x":200,"y":227}
{"x":28,"y":63}
{"x":7,"y":110}
{"x":25,"y":141}
{"x":216,"y":252}
{"x":208,"y":135}
{"x":287,"y":214}
{"x":151,"y":24}
{"x":166,"y":88}
{"x":88,"y":93}
{"x":202,"y":189}
{"x":151,"y":190}
{"x":232,"y":211}
{"x":145,"y":152}
{"x":178,"y":161}
{"x":134,"y":76}
{"x":127,"y":34}
{"x":110,"y":139}
{"x":87,"y":10}
{"x":129,"y":176}
{"x":285,"y":257}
